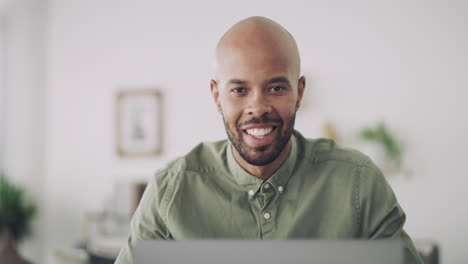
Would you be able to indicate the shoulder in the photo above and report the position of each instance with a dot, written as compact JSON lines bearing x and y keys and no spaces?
{"x":343,"y":162}
{"x":369,"y":186}
{"x":366,"y":175}
{"x":204,"y":157}
{"x":323,"y":150}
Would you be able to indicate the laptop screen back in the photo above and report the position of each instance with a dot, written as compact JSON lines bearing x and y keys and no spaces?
{"x":269,"y":252}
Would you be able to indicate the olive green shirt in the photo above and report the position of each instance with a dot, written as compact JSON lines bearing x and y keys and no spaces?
{"x":321,"y":191}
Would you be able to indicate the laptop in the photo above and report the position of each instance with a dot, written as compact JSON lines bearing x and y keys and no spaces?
{"x":269,"y":252}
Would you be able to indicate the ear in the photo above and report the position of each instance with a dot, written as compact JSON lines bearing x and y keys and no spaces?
{"x":215,"y":94}
{"x":300,"y":91}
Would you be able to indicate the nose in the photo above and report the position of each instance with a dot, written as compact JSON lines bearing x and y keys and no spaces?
{"x":259,"y":104}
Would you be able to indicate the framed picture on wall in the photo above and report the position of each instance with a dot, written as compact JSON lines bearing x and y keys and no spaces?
{"x":139,"y":123}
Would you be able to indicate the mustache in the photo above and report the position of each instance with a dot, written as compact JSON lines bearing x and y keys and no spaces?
{"x":261,"y":120}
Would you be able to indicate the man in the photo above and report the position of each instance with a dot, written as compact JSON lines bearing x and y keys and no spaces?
{"x":267,"y":181}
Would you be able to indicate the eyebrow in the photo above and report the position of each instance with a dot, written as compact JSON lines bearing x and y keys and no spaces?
{"x":279,"y":79}
{"x":236,"y":81}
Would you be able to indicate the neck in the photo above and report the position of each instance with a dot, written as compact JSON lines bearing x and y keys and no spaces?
{"x":266,"y":171}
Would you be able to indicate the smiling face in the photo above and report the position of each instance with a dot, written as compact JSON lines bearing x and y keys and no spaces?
{"x":257,"y":91}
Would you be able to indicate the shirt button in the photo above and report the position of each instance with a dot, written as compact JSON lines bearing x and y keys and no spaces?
{"x":251,"y":192}
{"x":280,"y":189}
{"x":266,"y":186}
{"x":266,"y":216}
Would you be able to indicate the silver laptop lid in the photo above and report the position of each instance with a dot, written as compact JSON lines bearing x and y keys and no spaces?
{"x":269,"y":252}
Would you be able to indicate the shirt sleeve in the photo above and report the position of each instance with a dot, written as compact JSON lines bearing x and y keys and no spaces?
{"x":381,"y":215}
{"x":148,"y":221}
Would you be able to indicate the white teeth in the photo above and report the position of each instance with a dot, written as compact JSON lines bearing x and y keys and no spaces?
{"x":259,"y":132}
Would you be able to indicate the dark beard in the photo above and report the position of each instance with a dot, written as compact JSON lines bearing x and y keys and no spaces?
{"x":260,"y":156}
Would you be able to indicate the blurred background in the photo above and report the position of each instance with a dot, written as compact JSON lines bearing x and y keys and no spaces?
{"x":64,"y":62}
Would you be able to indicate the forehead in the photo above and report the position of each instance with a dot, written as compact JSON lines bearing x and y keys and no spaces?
{"x":252,"y":65}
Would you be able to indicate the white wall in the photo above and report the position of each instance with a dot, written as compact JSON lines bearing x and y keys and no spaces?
{"x":3,"y":4}
{"x":2,"y":89}
{"x":404,"y":63}
{"x":24,"y":104}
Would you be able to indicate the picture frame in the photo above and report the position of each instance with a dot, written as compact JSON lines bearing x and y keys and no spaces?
{"x":139,"y":123}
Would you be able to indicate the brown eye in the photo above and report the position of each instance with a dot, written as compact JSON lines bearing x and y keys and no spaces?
{"x":238,"y":90}
{"x":276,"y":89}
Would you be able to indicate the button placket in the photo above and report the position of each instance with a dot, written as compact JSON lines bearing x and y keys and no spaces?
{"x":280,"y":189}
{"x":267,"y":221}
{"x":268,"y":194}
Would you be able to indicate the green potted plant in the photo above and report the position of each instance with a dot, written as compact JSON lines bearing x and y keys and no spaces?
{"x":16,"y":214}
{"x":391,"y":147}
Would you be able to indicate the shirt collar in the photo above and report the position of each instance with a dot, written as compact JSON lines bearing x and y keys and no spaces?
{"x":251,"y":182}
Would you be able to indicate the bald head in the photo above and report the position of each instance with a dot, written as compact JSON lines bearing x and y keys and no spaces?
{"x":257,"y":88}
{"x":257,"y":39}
